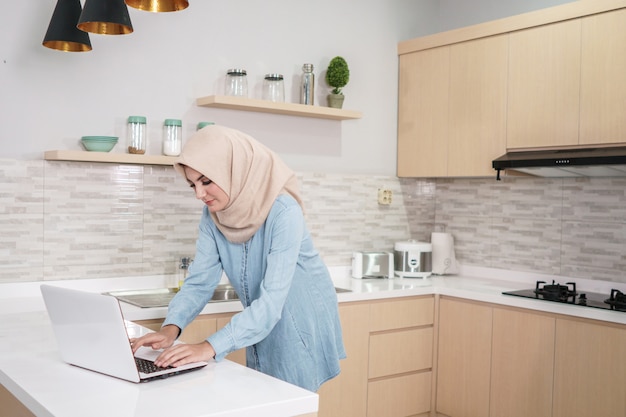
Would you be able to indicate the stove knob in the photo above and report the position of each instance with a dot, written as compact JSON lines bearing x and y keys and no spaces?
{"x":582,"y":299}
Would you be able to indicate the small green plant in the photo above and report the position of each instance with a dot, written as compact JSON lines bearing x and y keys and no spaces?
{"x":337,"y":74}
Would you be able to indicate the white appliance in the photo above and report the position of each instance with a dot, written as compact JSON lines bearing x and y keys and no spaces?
{"x":413,"y":259}
{"x":444,"y":259}
{"x":372,"y":265}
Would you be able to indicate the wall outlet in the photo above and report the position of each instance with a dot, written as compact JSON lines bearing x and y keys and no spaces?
{"x":384,"y":196}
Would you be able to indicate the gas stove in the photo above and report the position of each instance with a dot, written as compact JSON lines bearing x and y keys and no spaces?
{"x":615,"y":300}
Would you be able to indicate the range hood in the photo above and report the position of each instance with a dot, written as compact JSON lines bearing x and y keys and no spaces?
{"x":557,"y":163}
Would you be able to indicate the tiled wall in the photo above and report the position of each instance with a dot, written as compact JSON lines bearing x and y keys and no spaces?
{"x":69,"y":220}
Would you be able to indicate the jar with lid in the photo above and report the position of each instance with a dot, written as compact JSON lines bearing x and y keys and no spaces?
{"x":136,"y":134}
{"x":237,"y":82}
{"x":203,"y":124}
{"x":274,"y":88}
{"x":172,"y":137}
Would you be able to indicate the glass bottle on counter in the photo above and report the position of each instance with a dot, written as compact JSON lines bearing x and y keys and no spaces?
{"x":136,"y":135}
{"x":172,"y":137}
{"x":183,"y":269}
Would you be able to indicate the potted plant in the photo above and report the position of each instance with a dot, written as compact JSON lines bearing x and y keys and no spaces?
{"x":337,"y":76}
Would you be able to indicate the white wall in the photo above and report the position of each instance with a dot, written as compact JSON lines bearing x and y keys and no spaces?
{"x":458,"y":13}
{"x":51,"y":98}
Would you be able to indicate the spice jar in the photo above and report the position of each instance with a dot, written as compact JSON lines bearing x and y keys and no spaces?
{"x":203,"y":124}
{"x":237,"y":82}
{"x":274,"y":88}
{"x":172,"y":137}
{"x":136,"y":134}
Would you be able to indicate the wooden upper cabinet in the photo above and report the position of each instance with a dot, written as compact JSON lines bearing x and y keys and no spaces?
{"x":477,"y":121}
{"x":544,"y":85}
{"x":423,"y":113}
{"x":603,"y":78}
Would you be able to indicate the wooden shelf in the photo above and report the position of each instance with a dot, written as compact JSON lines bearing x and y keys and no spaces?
{"x":264,"y":106}
{"x":116,"y":158}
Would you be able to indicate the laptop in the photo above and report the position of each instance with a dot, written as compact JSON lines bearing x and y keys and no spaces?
{"x":91,"y":334}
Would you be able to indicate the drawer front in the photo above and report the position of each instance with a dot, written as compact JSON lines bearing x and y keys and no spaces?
{"x":403,"y":396}
{"x":401,"y":312}
{"x":400,"y":351}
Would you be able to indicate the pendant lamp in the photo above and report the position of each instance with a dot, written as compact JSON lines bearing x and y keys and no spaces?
{"x":105,"y":17}
{"x":158,"y":5}
{"x":62,"y":33}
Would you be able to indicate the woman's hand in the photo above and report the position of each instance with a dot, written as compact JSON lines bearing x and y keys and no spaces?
{"x":173,"y":355}
{"x":182,"y":354}
{"x":162,"y":339}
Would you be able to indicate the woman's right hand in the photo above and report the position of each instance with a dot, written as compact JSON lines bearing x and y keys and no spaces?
{"x":162,"y":339}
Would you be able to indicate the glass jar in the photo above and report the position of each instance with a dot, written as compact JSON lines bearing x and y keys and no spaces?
{"x":274,"y":88}
{"x":237,"y":82}
{"x":136,"y":134}
{"x":172,"y":137}
{"x":203,"y":124}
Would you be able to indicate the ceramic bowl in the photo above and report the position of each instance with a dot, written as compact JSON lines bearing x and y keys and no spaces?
{"x":99,"y":143}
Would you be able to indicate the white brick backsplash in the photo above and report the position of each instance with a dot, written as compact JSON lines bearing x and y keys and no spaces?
{"x":76,"y":220}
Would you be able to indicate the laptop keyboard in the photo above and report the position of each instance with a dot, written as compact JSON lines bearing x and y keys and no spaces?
{"x":148,"y":367}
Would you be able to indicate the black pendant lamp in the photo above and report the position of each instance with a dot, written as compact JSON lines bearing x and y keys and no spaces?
{"x":158,"y":5}
{"x":105,"y":17}
{"x":62,"y":34}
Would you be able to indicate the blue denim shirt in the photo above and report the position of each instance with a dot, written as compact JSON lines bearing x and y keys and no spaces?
{"x":290,"y":322}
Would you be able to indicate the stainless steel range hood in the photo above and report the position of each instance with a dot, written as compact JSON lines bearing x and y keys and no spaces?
{"x":580,"y":162}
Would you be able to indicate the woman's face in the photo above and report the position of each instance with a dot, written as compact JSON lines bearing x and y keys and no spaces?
{"x":206,"y":190}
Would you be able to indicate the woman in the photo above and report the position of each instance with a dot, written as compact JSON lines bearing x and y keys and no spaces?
{"x":253,"y":229}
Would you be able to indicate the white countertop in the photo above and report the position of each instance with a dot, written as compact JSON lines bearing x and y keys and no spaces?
{"x":32,"y":370}
{"x":225,"y":388}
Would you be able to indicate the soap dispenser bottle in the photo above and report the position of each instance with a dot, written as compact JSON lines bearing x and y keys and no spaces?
{"x":183,"y":269}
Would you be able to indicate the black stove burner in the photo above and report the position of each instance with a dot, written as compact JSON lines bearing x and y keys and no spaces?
{"x":617,"y":300}
{"x":556,"y":292}
{"x":568,"y":294}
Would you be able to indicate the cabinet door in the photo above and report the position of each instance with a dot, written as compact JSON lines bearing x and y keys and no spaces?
{"x":464,"y":358}
{"x":522,"y":364}
{"x":544,"y":85}
{"x":400,"y":352}
{"x":346,"y":395}
{"x":590,"y":369}
{"x":423,"y":113}
{"x":478,"y":83}
{"x":406,"y":395}
{"x":603,"y":88}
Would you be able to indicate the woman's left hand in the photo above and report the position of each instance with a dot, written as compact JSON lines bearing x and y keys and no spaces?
{"x":181,"y":354}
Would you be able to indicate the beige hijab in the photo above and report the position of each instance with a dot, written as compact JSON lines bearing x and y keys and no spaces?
{"x":249,"y":173}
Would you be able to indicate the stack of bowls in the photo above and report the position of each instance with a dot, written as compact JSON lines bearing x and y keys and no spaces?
{"x":99,"y":143}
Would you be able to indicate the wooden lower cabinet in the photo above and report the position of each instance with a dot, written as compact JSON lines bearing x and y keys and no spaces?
{"x":522,"y":364}
{"x":11,"y":406}
{"x":509,"y":362}
{"x":464,"y":358}
{"x":404,"y":395}
{"x":346,"y":395}
{"x":590,"y":369}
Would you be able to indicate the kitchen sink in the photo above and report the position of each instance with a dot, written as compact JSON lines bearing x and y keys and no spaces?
{"x":161,"y":297}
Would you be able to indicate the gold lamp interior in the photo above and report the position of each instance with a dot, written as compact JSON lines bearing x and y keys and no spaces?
{"x":158,"y":5}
